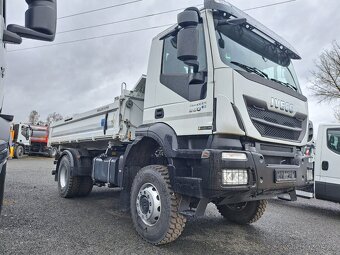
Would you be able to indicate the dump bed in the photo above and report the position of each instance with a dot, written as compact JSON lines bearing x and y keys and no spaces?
{"x":114,"y":122}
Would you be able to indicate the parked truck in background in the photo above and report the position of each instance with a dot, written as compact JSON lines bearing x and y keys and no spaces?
{"x":31,"y":140}
{"x":40,"y":19}
{"x":220,"y":117}
{"x":326,"y":178}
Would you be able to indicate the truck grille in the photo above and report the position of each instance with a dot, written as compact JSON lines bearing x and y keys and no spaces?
{"x":275,"y":125}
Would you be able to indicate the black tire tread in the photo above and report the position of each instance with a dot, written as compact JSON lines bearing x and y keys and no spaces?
{"x":260,"y":209}
{"x":85,"y":186}
{"x":73,"y":184}
{"x":177,"y":221}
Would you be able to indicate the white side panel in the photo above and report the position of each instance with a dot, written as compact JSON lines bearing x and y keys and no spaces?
{"x":320,"y":147}
{"x":226,"y":122}
{"x":122,"y":121}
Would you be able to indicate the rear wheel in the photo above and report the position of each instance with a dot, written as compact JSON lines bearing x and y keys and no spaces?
{"x":85,"y":186}
{"x":19,"y":151}
{"x":243,"y":213}
{"x":68,"y":186}
{"x":154,"y":206}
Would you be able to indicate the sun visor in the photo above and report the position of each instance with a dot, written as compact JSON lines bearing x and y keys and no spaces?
{"x":254,"y":25}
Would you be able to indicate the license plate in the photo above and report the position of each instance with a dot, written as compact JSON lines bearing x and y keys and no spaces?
{"x":285,"y":176}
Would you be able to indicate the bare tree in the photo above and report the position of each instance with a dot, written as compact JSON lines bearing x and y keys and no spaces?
{"x":53,"y":117}
{"x":337,"y":113}
{"x":33,"y":117}
{"x":326,"y":78}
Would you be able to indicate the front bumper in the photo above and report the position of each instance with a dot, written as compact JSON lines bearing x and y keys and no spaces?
{"x":262,"y":183}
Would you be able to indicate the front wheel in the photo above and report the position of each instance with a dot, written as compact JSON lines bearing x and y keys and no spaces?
{"x":243,"y":213}
{"x":19,"y":151}
{"x":154,"y":206}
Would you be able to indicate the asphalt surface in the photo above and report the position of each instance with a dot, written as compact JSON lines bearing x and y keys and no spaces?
{"x":35,"y":220}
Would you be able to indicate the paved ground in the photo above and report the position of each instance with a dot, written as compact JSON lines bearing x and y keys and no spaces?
{"x":36,"y":221}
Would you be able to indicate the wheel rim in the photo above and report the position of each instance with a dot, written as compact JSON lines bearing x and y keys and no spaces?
{"x":148,"y":204}
{"x":62,"y":177}
{"x":20,"y":151}
{"x":237,"y":207}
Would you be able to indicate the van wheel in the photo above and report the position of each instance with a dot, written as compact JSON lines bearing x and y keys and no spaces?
{"x":243,"y":213}
{"x":68,"y":186}
{"x":19,"y":151}
{"x":154,"y":206}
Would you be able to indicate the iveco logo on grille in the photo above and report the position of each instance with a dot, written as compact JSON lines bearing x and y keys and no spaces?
{"x":282,"y":105}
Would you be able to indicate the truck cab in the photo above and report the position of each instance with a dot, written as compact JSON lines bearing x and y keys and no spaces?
{"x":327,"y":159}
{"x":236,"y":100}
{"x":21,"y":139}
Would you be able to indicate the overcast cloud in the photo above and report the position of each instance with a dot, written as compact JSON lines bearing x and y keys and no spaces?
{"x":77,"y":77}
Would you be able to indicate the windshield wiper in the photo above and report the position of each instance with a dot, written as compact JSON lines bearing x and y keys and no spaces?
{"x":251,"y":69}
{"x":288,"y":85}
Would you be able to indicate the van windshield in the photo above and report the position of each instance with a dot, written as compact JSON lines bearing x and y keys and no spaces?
{"x":255,"y":56}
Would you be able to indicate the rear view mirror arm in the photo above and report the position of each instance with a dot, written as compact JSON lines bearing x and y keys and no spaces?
{"x":29,"y":33}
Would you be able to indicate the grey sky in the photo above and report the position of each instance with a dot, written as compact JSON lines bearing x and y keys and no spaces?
{"x":77,"y":77}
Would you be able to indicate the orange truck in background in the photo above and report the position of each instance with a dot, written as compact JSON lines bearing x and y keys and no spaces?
{"x":11,"y":145}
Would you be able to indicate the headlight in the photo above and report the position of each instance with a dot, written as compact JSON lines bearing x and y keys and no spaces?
{"x":310,"y":176}
{"x":234,"y":177}
{"x":234,"y":156}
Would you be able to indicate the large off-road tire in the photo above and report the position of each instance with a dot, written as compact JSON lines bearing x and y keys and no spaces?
{"x":154,"y":206}
{"x":243,"y":213}
{"x":68,"y":186}
{"x":19,"y":151}
{"x":85,"y":186}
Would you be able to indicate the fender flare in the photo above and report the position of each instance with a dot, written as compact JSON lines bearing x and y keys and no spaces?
{"x":163,"y":134}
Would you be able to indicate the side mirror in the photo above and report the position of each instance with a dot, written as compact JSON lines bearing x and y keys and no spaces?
{"x":188,"y":37}
{"x":40,"y":21}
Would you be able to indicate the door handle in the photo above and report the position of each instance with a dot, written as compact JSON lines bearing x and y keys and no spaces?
{"x":159,"y":113}
{"x":325,"y":165}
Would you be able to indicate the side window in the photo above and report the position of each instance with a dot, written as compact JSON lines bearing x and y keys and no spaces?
{"x":333,"y":140}
{"x":176,"y":75}
{"x":172,"y":66}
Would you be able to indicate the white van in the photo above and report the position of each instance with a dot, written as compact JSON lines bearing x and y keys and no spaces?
{"x":327,"y":163}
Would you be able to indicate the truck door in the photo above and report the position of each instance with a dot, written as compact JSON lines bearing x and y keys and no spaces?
{"x":329,"y":186}
{"x":185,"y":105}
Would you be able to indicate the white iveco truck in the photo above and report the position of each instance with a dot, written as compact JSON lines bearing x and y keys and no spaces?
{"x":219,"y":118}
{"x":40,"y":19}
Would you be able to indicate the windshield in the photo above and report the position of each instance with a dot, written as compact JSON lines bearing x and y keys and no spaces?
{"x":234,"y":54}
